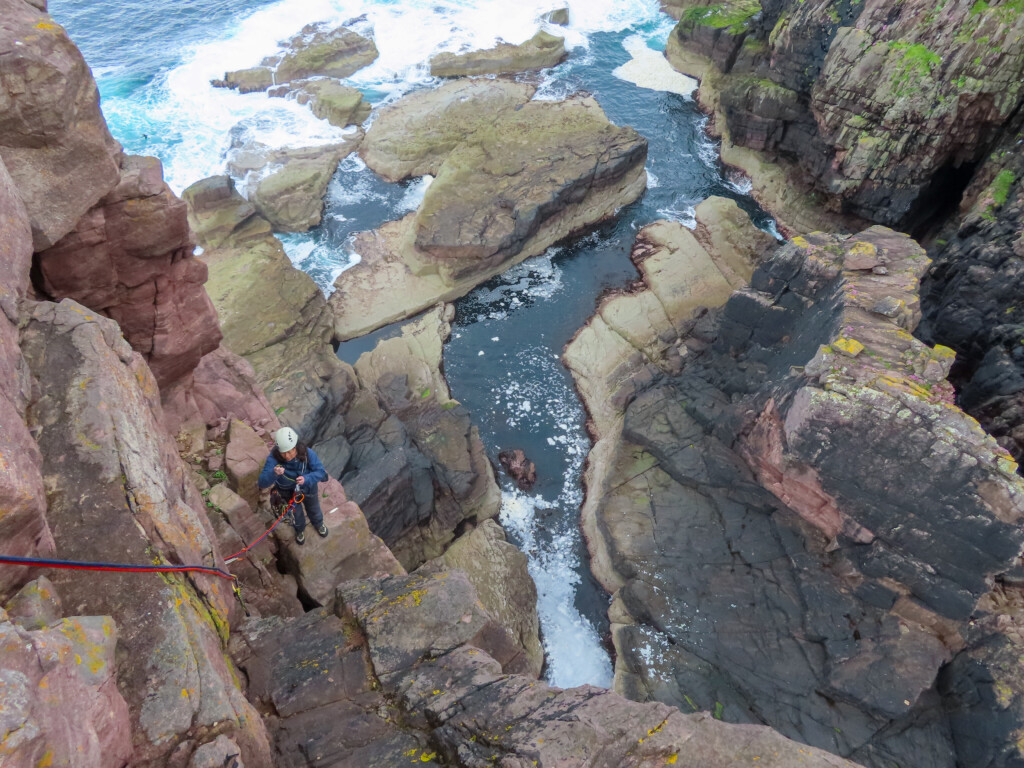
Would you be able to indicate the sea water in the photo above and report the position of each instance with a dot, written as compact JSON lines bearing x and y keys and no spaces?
{"x":153,"y":61}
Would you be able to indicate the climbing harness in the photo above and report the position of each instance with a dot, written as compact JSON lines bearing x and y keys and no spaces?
{"x":77,"y":565}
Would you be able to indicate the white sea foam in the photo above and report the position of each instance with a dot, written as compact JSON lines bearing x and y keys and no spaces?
{"x":186,"y":121}
{"x":687,"y":217}
{"x":573,"y":647}
{"x":650,"y":69}
{"x":414,"y":194}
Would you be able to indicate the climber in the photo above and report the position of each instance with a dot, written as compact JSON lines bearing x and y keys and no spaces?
{"x":292,"y":467}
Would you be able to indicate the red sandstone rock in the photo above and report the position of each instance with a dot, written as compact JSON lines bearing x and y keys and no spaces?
{"x":53,"y":138}
{"x":130,"y":257}
{"x":23,"y":528}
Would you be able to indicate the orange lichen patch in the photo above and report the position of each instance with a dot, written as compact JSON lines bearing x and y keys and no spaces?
{"x":46,"y":760}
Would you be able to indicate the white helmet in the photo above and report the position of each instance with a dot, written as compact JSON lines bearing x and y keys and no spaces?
{"x":285,"y":439}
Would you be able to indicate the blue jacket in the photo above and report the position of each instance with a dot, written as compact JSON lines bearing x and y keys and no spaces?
{"x":311,"y":469}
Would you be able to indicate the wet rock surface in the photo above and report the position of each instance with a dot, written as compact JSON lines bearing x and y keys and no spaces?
{"x":762,"y":515}
{"x":539,"y":52}
{"x":519,"y":468}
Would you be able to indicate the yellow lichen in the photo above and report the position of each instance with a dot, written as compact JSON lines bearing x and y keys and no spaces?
{"x":849,"y":347}
{"x":672,"y":759}
{"x":860,"y":248}
{"x":800,"y":242}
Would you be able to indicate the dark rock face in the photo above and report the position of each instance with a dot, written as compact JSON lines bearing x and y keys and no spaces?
{"x":883,"y":108}
{"x":971,"y":301}
{"x":311,"y":677}
{"x":813,"y":527}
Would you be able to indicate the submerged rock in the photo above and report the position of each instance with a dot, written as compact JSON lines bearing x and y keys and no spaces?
{"x":539,"y":52}
{"x":766,"y":499}
{"x":519,"y":468}
{"x":533,"y":177}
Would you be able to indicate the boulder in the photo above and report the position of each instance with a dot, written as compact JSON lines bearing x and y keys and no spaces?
{"x":292,"y":198}
{"x":117,"y":491}
{"x":519,"y":468}
{"x":328,"y":99}
{"x":36,"y":605}
{"x":246,"y":80}
{"x":130,"y":258}
{"x":23,"y":527}
{"x":498,"y":572}
{"x":244,"y":457}
{"x":218,"y":215}
{"x":50,"y":119}
{"x":532,"y":178}
{"x":350,"y":550}
{"x":337,"y":53}
{"x":559,"y":16}
{"x":60,"y":703}
{"x":795,"y":446}
{"x":539,"y":52}
{"x":413,"y":136}
{"x":411,"y":618}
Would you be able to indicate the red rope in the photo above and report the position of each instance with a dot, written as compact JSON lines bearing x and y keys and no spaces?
{"x":296,"y":499}
{"x":74,"y":565}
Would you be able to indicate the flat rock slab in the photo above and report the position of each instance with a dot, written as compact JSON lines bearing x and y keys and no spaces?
{"x":350,"y":550}
{"x":539,"y":52}
{"x":413,"y":136}
{"x":337,"y":53}
{"x":532,"y":178}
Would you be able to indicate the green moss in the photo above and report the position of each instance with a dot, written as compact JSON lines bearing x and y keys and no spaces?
{"x":979,"y":7}
{"x":719,"y":710}
{"x":731,"y":15}
{"x":916,"y":57}
{"x":1001,"y":186}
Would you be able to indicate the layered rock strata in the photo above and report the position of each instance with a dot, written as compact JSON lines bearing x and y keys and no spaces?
{"x":541,"y":51}
{"x":417,"y":672}
{"x":514,"y":187}
{"x":801,"y":529}
{"x":886,"y":110}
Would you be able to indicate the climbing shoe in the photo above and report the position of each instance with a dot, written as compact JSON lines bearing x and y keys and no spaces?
{"x":300,"y":537}
{"x":322,"y":530}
